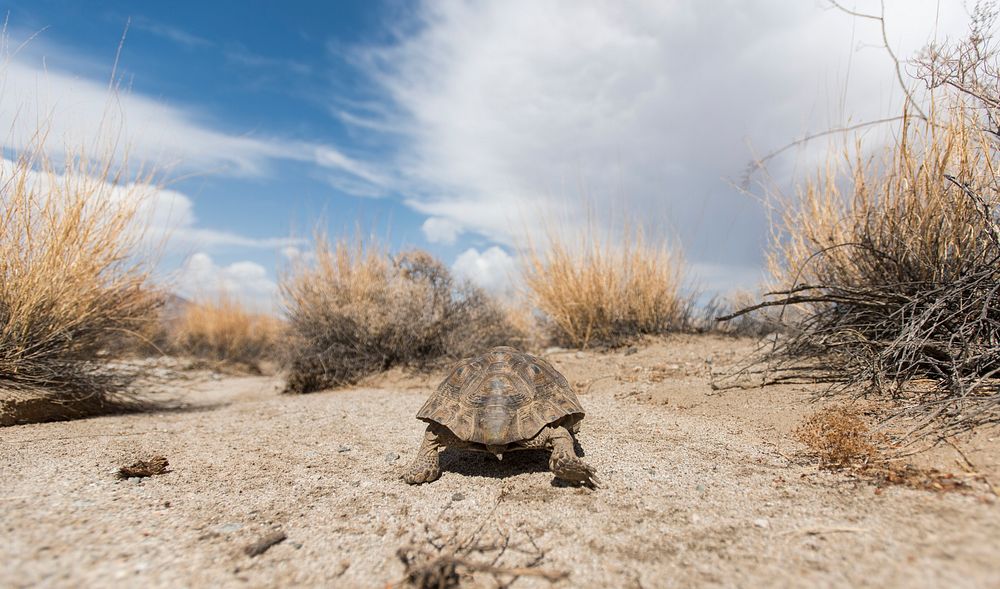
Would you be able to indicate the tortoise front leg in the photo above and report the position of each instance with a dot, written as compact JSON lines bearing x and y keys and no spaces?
{"x":564,"y":462}
{"x":425,"y":467}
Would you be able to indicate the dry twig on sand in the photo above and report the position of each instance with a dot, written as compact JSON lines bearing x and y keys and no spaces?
{"x":144,"y":468}
{"x":441,"y":561}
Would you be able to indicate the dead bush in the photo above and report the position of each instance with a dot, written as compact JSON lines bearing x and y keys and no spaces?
{"x":886,"y":268}
{"x":221,"y":329}
{"x":356,"y":310}
{"x":73,"y":283}
{"x":596,"y":292}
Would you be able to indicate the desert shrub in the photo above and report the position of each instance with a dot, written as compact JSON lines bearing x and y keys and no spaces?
{"x":356,"y":310}
{"x":221,"y":329}
{"x":596,"y":292}
{"x":758,"y":323}
{"x":896,"y":279}
{"x":886,"y":268}
{"x":73,"y":283}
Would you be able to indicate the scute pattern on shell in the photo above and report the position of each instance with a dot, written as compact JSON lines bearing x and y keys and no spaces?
{"x":501,"y":397}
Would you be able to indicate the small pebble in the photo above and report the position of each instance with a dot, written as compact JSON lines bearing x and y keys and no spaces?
{"x":762,"y":523}
{"x":227,"y":528}
{"x":700,"y":488}
{"x":457,"y":497}
{"x":344,"y":448}
{"x":631,"y":351}
{"x":391,"y":457}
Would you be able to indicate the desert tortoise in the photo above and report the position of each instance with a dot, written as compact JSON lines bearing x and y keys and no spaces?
{"x":501,"y":401}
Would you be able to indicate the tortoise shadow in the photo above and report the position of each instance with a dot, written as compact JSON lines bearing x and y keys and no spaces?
{"x":471,"y":463}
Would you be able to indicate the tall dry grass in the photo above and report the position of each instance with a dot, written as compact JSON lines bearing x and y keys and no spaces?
{"x":886,"y":270}
{"x":356,"y":309}
{"x":223,"y":330}
{"x":594,"y":291}
{"x":73,"y":283}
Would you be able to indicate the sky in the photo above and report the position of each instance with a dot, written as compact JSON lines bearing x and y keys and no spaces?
{"x":465,"y":128}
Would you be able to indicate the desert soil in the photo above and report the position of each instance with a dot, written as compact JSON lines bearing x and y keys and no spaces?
{"x":701,"y":488}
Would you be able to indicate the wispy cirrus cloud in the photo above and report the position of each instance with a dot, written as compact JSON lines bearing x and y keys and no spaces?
{"x":82,"y":111}
{"x":170,"y":33}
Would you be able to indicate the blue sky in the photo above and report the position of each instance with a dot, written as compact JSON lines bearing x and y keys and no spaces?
{"x":459,"y":126}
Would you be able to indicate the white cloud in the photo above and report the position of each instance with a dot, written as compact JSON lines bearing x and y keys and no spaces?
{"x":511,"y":109}
{"x":441,"y":230}
{"x":248,"y":281}
{"x":79,"y":111}
{"x":173,"y":34}
{"x":165,"y":217}
{"x":492,"y":270}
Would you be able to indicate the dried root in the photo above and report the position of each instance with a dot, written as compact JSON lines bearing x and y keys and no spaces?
{"x":436,"y":560}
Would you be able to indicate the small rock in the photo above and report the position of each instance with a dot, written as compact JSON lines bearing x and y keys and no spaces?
{"x":581,"y":355}
{"x":700,"y":488}
{"x":344,"y":448}
{"x":694,"y":518}
{"x":391,"y":457}
{"x":631,"y":351}
{"x":762,"y":523}
{"x":264,"y":544}
{"x":458,"y":497}
{"x":227,"y":528}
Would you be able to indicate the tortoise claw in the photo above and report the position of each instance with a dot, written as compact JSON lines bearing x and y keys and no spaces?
{"x":574,"y":470}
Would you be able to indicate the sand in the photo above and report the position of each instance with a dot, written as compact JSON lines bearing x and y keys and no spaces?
{"x":700,"y":489}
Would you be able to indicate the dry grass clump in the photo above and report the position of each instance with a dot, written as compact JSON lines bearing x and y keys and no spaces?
{"x":223,"y":330}
{"x":838,"y":437}
{"x":596,"y":292}
{"x":73,"y":283}
{"x":356,"y":310}
{"x":887,"y":268}
{"x":896,"y":279}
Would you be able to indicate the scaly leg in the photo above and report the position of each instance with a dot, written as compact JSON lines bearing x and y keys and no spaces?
{"x":425,"y":467}
{"x":564,"y":462}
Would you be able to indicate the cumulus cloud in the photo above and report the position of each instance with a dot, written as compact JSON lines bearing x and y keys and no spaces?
{"x":492,"y":270}
{"x":164,"y":217}
{"x":441,"y":230}
{"x":511,"y":109}
{"x":248,"y":281}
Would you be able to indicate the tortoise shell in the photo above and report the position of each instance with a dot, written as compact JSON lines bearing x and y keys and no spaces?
{"x":502,"y":397}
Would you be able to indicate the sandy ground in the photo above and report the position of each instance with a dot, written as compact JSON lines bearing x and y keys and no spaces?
{"x":701,"y":489}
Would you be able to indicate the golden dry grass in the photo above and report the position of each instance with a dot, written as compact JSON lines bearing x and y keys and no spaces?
{"x":892,"y":217}
{"x":593,"y":291}
{"x":838,"y":437}
{"x":885,"y":271}
{"x":356,"y":309}
{"x":222,"y":329}
{"x":73,"y":281}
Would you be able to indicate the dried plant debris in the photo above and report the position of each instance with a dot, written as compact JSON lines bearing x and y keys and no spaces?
{"x":144,"y":468}
{"x":434,"y":559}
{"x":839,"y":439}
{"x":264,"y":543}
